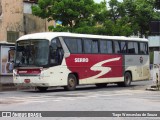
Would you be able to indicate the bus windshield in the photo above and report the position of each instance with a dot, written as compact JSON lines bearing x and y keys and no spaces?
{"x":32,"y":53}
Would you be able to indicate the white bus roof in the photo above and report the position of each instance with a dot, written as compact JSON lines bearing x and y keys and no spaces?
{"x":51,"y":35}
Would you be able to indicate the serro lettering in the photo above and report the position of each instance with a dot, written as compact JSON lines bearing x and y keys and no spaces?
{"x":81,"y":60}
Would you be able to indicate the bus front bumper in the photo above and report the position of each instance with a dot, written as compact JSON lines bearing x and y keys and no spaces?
{"x":30,"y":81}
{"x":31,"y":84}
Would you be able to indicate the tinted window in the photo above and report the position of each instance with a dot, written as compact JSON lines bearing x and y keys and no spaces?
{"x":103,"y":46}
{"x":109,"y":47}
{"x":32,"y":53}
{"x":116,"y":47}
{"x":133,"y":47}
{"x":94,"y":46}
{"x":74,"y":44}
{"x":123,"y":47}
{"x":143,"y":48}
{"x":79,"y":45}
{"x":88,"y":46}
{"x":106,"y":46}
{"x":136,"y":47}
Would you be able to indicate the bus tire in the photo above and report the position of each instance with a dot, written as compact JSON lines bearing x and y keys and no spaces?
{"x":127,"y":80}
{"x":71,"y":83}
{"x":42,"y":89}
{"x":101,"y":85}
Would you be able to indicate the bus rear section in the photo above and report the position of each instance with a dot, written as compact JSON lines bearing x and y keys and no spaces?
{"x":63,"y":59}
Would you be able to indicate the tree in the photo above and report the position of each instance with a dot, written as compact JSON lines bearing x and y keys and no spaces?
{"x":70,"y":12}
{"x":130,"y":17}
{"x":157,"y":4}
{"x":140,"y":13}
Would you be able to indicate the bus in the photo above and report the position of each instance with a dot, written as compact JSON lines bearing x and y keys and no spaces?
{"x":49,"y":59}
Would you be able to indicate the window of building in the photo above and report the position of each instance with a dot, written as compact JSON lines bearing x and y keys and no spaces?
{"x":0,"y":8}
{"x":12,"y":36}
{"x":32,"y":1}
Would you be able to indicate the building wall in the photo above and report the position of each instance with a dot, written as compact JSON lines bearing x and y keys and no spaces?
{"x":32,"y":23}
{"x":154,"y":41}
{"x":11,"y":18}
{"x":16,"y":16}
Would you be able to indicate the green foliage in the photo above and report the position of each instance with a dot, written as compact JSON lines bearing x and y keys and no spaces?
{"x":58,"y":28}
{"x":70,"y":12}
{"x":151,"y":54}
{"x":130,"y":17}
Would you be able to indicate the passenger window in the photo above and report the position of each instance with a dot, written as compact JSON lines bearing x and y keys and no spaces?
{"x":135,"y":44}
{"x":87,"y":46}
{"x":133,"y":47}
{"x":94,"y":46}
{"x":116,"y":47}
{"x":103,"y":46}
{"x":109,"y":47}
{"x":106,"y":46}
{"x":74,"y":44}
{"x":123,"y":47}
{"x":143,"y":48}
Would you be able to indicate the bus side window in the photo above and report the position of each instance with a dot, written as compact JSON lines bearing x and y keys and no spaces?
{"x":143,"y":48}
{"x":56,"y":52}
{"x":133,"y":47}
{"x":116,"y":47}
{"x":123,"y":47}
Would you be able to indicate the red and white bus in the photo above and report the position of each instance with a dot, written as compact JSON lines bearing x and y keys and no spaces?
{"x":63,"y":59}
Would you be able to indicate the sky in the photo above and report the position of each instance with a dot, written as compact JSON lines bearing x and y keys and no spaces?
{"x":98,"y":1}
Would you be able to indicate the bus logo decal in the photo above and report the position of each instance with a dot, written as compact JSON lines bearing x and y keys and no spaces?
{"x":104,"y":70}
{"x":141,"y":59}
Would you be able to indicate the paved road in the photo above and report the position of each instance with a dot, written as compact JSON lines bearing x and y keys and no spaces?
{"x":85,"y":98}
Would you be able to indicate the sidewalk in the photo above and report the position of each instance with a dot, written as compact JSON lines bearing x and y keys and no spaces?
{"x":7,"y":87}
{"x":153,"y":86}
{"x":6,"y":83}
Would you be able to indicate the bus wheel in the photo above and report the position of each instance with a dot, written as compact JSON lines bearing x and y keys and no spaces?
{"x":127,"y":80}
{"x":42,"y":89}
{"x":101,"y":85}
{"x":72,"y":82}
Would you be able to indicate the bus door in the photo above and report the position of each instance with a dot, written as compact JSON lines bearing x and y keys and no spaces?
{"x":56,"y":52}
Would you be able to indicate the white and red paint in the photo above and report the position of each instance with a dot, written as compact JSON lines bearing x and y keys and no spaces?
{"x":96,"y":66}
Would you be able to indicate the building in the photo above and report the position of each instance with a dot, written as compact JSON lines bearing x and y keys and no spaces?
{"x":154,"y":43}
{"x":16,"y":19}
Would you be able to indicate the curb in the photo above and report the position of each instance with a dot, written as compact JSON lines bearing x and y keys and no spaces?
{"x":153,"y":88}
